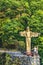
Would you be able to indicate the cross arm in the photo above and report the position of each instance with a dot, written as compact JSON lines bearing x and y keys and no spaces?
{"x":34,"y":34}
{"x":22,"y":33}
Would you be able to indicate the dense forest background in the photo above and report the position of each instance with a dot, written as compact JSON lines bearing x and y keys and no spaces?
{"x":15,"y":16}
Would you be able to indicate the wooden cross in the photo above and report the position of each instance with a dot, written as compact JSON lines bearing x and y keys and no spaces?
{"x":28,"y":34}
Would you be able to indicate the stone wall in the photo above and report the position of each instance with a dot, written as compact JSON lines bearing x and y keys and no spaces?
{"x":27,"y":60}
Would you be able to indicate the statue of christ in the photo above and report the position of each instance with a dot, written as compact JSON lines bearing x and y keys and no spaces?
{"x":28,"y":34}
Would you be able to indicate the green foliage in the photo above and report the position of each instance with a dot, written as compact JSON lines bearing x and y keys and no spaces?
{"x":16,"y":15}
{"x":2,"y":58}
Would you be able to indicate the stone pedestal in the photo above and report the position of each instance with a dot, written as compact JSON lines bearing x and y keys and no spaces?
{"x":25,"y":60}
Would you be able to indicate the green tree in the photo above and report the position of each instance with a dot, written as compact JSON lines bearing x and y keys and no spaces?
{"x":16,"y":15}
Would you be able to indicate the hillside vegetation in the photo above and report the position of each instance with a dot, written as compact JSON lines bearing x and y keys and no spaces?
{"x":15,"y":16}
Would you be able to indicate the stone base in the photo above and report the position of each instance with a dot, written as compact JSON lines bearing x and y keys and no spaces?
{"x":26,"y":59}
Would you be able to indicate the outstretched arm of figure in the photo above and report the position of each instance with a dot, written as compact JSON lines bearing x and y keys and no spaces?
{"x":34,"y":34}
{"x":23,"y":33}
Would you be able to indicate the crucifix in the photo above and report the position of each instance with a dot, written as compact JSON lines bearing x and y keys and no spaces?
{"x":28,"y":34}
